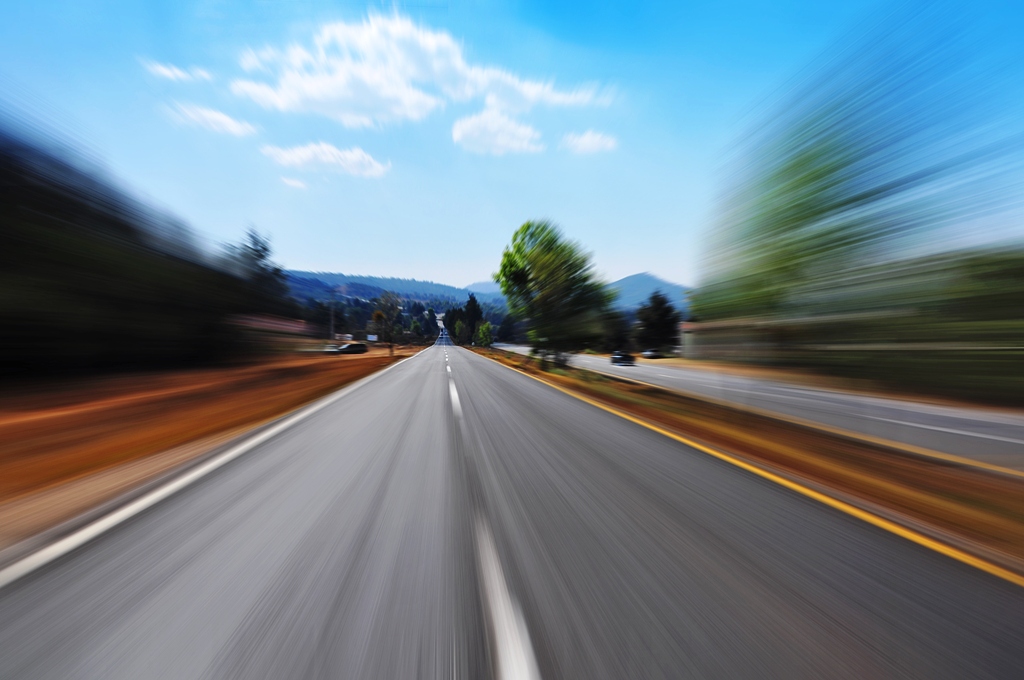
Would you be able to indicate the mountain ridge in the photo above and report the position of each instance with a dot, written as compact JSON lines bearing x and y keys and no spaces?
{"x":632,"y":291}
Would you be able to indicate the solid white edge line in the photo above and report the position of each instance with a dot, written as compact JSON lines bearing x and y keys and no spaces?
{"x":513,"y":652}
{"x":63,"y":546}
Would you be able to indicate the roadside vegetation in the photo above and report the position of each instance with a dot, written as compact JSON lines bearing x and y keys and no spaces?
{"x":856,"y":236}
{"x":93,"y":280}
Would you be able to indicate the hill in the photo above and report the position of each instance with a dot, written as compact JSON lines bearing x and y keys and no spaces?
{"x":634,"y":290}
{"x":484,"y":288}
{"x":319,"y":284}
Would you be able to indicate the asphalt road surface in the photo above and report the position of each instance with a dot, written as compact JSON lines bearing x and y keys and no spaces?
{"x":987,"y":435}
{"x":474,"y":523}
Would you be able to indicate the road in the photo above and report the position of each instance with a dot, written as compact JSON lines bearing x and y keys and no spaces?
{"x":986,"y":435}
{"x":451,"y":518}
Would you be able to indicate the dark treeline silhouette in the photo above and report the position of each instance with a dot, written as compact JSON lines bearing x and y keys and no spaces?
{"x":91,"y":279}
{"x":464,"y":322}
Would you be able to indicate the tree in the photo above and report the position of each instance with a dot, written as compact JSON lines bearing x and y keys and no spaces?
{"x":384,"y":318}
{"x":507,"y":329}
{"x":430,"y":327}
{"x":269,"y":285}
{"x":473,"y":314}
{"x":483,"y":335}
{"x":868,"y":161}
{"x":549,"y":282}
{"x":470,"y":315}
{"x":658,"y":322}
{"x":616,"y":327}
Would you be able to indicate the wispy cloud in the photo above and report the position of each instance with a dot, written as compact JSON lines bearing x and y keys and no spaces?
{"x":491,"y":131}
{"x":353,"y":161}
{"x":387,"y":69}
{"x":588,"y":142}
{"x":172,"y":72}
{"x":294,"y":183}
{"x":213,"y":120}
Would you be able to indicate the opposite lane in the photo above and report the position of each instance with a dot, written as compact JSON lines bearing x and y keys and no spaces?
{"x":986,"y":435}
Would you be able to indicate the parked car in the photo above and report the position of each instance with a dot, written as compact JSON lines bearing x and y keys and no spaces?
{"x":622,"y":359}
{"x":352,"y":348}
{"x":651,"y":354}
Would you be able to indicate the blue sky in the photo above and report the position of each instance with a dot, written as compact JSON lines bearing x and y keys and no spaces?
{"x":411,"y":139}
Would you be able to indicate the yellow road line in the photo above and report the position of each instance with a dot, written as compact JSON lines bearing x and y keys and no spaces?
{"x":870,"y":518}
{"x":838,"y":431}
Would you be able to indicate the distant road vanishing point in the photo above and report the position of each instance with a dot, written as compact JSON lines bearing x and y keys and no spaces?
{"x":451,"y":518}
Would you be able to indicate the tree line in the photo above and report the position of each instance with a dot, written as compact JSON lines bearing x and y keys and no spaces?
{"x":92,"y":279}
{"x":844,"y":243}
{"x":550,"y":285}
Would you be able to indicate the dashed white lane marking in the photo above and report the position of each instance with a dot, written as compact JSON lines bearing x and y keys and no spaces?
{"x":456,"y":406}
{"x":512,"y":649}
{"x":950,"y":430}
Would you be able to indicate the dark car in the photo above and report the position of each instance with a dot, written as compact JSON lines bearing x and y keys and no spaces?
{"x":651,"y":354}
{"x":622,"y":359}
{"x":352,"y":348}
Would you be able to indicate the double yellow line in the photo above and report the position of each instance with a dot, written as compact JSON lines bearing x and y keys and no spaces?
{"x":870,"y":518}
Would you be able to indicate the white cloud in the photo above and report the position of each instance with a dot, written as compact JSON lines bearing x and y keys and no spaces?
{"x":589,"y":142}
{"x":172,"y":72}
{"x":388,"y":69}
{"x":354,"y":161}
{"x":212,"y":120}
{"x":294,"y":183}
{"x":491,"y":131}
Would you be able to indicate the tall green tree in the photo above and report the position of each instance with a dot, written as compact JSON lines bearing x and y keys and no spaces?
{"x":473,"y":314}
{"x":868,"y":161}
{"x":507,"y":329}
{"x":549,"y":282}
{"x":615,"y":331}
{"x":430,"y":326}
{"x":657,"y":322}
{"x":483,"y":335}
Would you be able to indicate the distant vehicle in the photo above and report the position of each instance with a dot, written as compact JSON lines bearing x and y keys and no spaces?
{"x":622,"y":359}
{"x":651,"y":354}
{"x":352,"y":348}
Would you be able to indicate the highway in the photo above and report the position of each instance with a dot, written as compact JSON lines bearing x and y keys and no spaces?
{"x":986,"y":435}
{"x":451,"y":518}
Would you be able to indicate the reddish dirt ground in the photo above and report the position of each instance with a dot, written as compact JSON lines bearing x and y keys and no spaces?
{"x":67,"y":447}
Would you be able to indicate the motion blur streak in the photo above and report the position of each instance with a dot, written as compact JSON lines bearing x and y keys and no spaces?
{"x":345,"y":547}
{"x":131,"y":282}
{"x":864,"y":231}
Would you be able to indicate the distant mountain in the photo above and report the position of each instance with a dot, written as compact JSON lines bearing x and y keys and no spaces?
{"x":632,"y":291}
{"x":484,"y":288}
{"x":635,"y":290}
{"x":319,"y":285}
